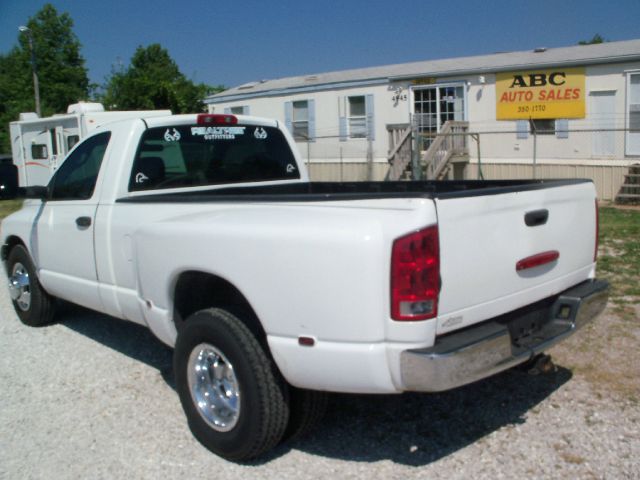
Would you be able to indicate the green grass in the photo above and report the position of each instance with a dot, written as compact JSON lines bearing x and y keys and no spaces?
{"x":9,"y":206}
{"x":619,"y":253}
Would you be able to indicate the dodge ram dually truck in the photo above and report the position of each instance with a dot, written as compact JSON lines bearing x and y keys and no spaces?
{"x":274,"y":290}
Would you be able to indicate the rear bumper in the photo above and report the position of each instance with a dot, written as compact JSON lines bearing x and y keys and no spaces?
{"x":482,"y":350}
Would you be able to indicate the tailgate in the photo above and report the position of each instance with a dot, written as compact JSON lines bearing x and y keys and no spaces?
{"x":483,"y":237}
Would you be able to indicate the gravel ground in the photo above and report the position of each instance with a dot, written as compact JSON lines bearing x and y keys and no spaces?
{"x":93,"y":397}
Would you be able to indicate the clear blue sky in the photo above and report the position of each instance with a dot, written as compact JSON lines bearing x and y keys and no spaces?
{"x":237,"y":41}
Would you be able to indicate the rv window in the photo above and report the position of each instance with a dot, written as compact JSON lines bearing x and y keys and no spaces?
{"x":39,"y":151}
{"x":71,"y":141}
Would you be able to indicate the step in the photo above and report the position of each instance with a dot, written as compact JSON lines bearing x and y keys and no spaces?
{"x":632,"y":179}
{"x":628,"y":199}
{"x":629,"y":195}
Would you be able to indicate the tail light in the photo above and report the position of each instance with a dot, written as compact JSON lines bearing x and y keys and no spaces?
{"x":595,"y":252}
{"x":216,"y":119}
{"x":415,"y":275}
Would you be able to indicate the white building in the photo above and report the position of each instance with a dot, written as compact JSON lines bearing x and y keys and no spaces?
{"x":582,"y":101}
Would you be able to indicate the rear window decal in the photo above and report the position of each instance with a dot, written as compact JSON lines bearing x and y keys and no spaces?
{"x":141,"y":177}
{"x":260,"y":133}
{"x":172,"y":136}
{"x":217,"y":133}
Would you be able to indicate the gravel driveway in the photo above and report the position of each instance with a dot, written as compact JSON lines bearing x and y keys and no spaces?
{"x":92,"y":397}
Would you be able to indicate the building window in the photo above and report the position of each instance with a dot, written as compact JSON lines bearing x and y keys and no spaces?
{"x":543,"y":126}
{"x":633,"y":114}
{"x":357,"y":117}
{"x":299,"y":117}
{"x":300,"y":120}
{"x":239,"y":110}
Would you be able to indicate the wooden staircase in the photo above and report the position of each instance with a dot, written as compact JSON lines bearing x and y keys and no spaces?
{"x":400,"y":151}
{"x":630,"y":190}
{"x":448,"y":147}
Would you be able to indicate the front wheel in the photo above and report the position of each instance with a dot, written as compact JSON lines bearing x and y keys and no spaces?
{"x":234,"y":398}
{"x":34,"y":306}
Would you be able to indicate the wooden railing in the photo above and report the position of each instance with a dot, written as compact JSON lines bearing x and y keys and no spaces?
{"x":449,"y":143}
{"x":399,"y":156}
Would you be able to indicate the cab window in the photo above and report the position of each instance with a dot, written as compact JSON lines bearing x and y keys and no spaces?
{"x":76,"y":177}
{"x":186,"y":156}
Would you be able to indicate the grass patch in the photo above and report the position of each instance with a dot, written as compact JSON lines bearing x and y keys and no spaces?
{"x":600,"y":353}
{"x":9,"y":206}
{"x":619,"y":253}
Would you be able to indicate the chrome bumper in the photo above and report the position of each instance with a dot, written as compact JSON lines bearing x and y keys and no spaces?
{"x":480,"y":351}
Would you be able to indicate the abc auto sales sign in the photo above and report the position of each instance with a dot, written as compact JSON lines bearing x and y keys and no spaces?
{"x":556,"y":93}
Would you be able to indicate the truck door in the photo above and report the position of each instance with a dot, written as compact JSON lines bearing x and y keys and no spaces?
{"x":63,"y":240}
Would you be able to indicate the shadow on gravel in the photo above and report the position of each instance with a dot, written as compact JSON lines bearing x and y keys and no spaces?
{"x":411,"y":429}
{"x":128,"y":338}
{"x":417,"y":429}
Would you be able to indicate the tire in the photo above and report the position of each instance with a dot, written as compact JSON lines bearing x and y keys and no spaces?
{"x":34,"y":306}
{"x":239,"y":409}
{"x":306,"y":409}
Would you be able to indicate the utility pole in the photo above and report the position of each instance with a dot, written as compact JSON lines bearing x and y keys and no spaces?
{"x":36,"y":86}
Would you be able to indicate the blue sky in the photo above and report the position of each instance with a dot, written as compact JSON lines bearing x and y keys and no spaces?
{"x":238,"y":41}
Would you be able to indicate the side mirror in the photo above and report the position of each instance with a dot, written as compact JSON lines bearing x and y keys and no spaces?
{"x":8,"y":181}
{"x":10,"y":190}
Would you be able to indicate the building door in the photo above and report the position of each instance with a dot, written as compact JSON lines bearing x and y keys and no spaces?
{"x":433,"y":106}
{"x":602,"y":111}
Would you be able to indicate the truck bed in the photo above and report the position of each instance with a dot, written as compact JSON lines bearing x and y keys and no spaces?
{"x":338,"y":191}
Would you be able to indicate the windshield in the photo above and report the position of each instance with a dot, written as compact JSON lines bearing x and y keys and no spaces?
{"x":186,"y":156}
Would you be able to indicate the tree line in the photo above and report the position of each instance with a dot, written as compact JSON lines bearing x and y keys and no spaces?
{"x":152,"y":80}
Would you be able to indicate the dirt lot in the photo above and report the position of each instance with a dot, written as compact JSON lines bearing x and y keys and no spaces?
{"x":92,"y":397}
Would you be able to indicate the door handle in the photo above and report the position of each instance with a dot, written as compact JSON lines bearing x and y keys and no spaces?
{"x":83,"y":222}
{"x":536,"y":217}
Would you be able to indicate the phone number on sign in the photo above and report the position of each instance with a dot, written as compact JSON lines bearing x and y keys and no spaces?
{"x":531,"y":108}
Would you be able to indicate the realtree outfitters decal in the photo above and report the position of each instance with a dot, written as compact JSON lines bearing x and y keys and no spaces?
{"x":557,"y":93}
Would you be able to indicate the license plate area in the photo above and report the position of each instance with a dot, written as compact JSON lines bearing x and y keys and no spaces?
{"x":533,"y":325}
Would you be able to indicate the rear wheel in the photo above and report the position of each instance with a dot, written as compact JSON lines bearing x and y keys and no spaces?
{"x":307,"y":407}
{"x":234,"y":398}
{"x":34,"y":306}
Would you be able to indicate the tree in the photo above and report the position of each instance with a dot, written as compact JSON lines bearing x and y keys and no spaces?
{"x":597,"y":38}
{"x":61,"y":71}
{"x":154,"y":81}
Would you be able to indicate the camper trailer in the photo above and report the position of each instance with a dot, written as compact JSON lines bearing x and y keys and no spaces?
{"x":39,"y":145}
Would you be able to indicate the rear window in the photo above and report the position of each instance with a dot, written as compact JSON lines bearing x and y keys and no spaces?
{"x":189,"y":156}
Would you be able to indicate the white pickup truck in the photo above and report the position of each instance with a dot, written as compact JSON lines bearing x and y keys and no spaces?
{"x":273,"y":290}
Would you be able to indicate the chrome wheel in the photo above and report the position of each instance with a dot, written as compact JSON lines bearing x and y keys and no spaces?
{"x":19,"y":287}
{"x":214,"y":387}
